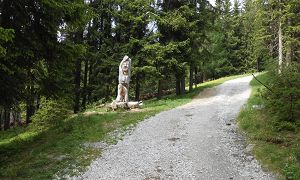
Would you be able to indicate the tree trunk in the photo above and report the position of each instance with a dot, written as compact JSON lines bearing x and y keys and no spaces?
{"x":85,"y":78}
{"x":280,"y":48}
{"x":1,"y":118}
{"x":177,"y":86}
{"x":191,"y":82}
{"x":203,"y":77}
{"x":288,"y":56}
{"x":107,"y":93}
{"x":196,"y":77}
{"x":182,"y":86}
{"x":90,"y":82}
{"x":77,"y":76}
{"x":30,"y":107}
{"x":16,"y":116}
{"x":159,"y":89}
{"x":6,"y":118}
{"x":38,"y":100}
{"x":137,"y":86}
{"x":258,"y":65}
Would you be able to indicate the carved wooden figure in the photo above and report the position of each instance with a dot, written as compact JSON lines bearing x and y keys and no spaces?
{"x":122,"y":100}
{"x":124,"y":79}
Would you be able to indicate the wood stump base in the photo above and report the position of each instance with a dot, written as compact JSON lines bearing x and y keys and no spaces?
{"x":125,"y":105}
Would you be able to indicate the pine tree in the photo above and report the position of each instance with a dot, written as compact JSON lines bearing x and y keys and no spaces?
{"x":290,"y":18}
{"x":183,"y":24}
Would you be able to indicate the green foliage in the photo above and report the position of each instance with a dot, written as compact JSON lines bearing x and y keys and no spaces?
{"x":51,"y":113}
{"x":277,"y":150}
{"x":167,"y":41}
{"x":35,"y":62}
{"x":283,"y":102}
{"x":231,"y":40}
{"x":261,"y":34}
{"x":6,"y":35}
{"x":291,"y":27}
{"x":262,"y":20}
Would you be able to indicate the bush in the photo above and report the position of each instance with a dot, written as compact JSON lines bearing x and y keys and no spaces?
{"x":283,"y":101}
{"x":51,"y":113}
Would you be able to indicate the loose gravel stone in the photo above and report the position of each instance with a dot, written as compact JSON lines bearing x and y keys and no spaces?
{"x":188,"y":142}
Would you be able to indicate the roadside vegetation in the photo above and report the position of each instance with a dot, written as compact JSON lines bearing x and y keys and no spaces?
{"x":44,"y":150}
{"x":59,"y":62}
{"x":276,"y":136}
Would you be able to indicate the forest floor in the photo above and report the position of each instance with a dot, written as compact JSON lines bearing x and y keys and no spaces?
{"x":198,"y":140}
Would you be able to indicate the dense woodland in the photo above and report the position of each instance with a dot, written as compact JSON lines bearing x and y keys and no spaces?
{"x":61,"y":56}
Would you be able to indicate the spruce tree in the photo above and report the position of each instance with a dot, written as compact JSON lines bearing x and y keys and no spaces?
{"x":36,"y":57}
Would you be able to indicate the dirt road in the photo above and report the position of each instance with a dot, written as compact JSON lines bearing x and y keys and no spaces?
{"x":196,"y":141}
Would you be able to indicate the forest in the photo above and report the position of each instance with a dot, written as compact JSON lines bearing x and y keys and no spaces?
{"x":68,"y":51}
{"x":57,"y":58}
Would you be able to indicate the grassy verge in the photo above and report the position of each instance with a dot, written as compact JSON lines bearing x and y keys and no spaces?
{"x":278,"y":151}
{"x":27,"y":153}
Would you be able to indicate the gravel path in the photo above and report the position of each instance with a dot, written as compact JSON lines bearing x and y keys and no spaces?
{"x":196,"y":141}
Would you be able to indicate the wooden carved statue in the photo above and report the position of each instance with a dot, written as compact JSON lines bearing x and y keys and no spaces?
{"x":122,"y":100}
{"x":124,"y":79}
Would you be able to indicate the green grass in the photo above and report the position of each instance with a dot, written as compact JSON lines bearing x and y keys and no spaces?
{"x":278,"y":151}
{"x":27,"y":153}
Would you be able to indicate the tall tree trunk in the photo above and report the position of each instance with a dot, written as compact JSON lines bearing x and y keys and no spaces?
{"x":90,"y":82}
{"x":1,"y":117}
{"x":38,"y":101}
{"x":258,"y":64}
{"x":280,"y":45}
{"x":159,"y":89}
{"x":16,"y":114}
{"x":30,"y":109}
{"x":137,"y":86}
{"x":196,"y":76}
{"x":203,"y":77}
{"x":191,"y":82}
{"x":30,"y":93}
{"x":30,"y":106}
{"x":6,"y":118}
{"x":107,"y":93}
{"x":280,"y":49}
{"x":182,"y":86}
{"x":77,"y":76}
{"x":177,"y":86}
{"x":85,"y":78}
{"x":77,"y":38}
